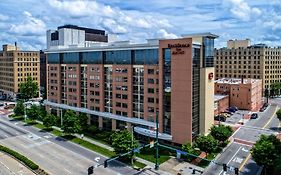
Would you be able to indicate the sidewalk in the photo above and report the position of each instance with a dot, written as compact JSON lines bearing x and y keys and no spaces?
{"x":10,"y":166}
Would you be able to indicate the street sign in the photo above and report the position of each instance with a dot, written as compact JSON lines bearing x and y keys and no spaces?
{"x":181,"y":152}
{"x":178,"y":155}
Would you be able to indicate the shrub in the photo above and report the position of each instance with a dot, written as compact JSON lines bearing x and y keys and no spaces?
{"x":20,"y":157}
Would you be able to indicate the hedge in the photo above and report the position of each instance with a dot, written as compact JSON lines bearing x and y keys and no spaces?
{"x":20,"y":157}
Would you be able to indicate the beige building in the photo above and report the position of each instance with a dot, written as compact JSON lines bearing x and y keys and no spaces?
{"x":15,"y":66}
{"x":241,"y":59}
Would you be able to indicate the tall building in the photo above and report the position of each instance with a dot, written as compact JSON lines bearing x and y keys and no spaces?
{"x":249,"y":61}
{"x":120,"y":84}
{"x":15,"y":66}
{"x":74,"y":36}
{"x":43,"y":66}
{"x":243,"y":93}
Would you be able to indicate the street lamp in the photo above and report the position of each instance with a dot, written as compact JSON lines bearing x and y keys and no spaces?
{"x":25,"y":116}
{"x":157,"y":147}
{"x":132,"y":143}
{"x":61,"y":121}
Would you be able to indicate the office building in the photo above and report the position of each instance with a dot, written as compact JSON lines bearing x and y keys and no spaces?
{"x":221,"y":103}
{"x":15,"y":66}
{"x":120,"y":83}
{"x":243,"y":93}
{"x":74,"y":36}
{"x":240,"y":59}
{"x":43,"y":72}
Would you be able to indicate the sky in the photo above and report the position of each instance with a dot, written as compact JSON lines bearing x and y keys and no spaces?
{"x":26,"y":21}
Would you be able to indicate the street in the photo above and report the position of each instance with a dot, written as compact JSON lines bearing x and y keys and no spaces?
{"x":52,"y":153}
{"x":237,"y":154}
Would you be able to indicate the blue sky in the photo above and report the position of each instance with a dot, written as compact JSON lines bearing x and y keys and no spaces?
{"x":26,"y":21}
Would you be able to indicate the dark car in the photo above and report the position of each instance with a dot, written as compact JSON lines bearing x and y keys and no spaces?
{"x":254,"y":116}
{"x":220,"y":118}
{"x":231,"y":110}
{"x":264,"y":106}
{"x":234,"y":107}
{"x":228,"y":112}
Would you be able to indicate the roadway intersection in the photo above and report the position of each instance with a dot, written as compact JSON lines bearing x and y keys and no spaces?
{"x":237,"y":154}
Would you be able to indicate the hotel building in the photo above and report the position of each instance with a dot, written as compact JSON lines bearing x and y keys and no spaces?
{"x":241,"y":59}
{"x":15,"y":66}
{"x":120,"y":83}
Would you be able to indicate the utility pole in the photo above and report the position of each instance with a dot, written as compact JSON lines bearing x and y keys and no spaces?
{"x":61,"y":122}
{"x":156,"y":146}
{"x":132,"y":145}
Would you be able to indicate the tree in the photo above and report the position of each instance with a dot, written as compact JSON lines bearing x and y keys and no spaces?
{"x":71,"y":123}
{"x":187,"y":147}
{"x":266,"y":151}
{"x":49,"y":120}
{"x":83,"y":120}
{"x":278,"y":113}
{"x":28,"y":89}
{"x":122,"y":142}
{"x":34,"y":112}
{"x":221,"y":132}
{"x":206,"y":143}
{"x":19,"y":108}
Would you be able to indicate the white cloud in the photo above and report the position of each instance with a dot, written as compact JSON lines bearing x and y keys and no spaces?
{"x":242,"y":10}
{"x":162,"y":33}
{"x":29,"y":26}
{"x":113,"y":26}
{"x":3,"y":17}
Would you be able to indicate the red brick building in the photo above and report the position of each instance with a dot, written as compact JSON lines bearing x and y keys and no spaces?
{"x":243,"y":93}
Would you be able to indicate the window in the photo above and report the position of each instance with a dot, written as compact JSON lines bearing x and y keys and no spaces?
{"x":150,"y":90}
{"x":150,"y":71}
{"x":150,"y":81}
{"x":150,"y":100}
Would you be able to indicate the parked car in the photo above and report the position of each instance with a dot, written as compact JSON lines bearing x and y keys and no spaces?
{"x":228,"y":112}
{"x":231,"y":110}
{"x":220,"y":118}
{"x":225,"y":114}
{"x":264,"y":106}
{"x":234,"y":107}
{"x":254,"y":116}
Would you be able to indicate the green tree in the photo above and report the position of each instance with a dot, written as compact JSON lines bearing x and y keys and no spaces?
{"x":221,"y":132}
{"x":49,"y":120}
{"x":28,"y":89}
{"x":71,"y":123}
{"x":266,"y":151}
{"x":83,"y":120}
{"x":187,"y":147}
{"x":42,"y":113}
{"x":33,"y":113}
{"x":122,"y":142}
{"x":206,"y":143}
{"x":278,"y":113}
{"x":19,"y":108}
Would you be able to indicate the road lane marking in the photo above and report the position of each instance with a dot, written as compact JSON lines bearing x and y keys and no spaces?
{"x":232,"y":157}
{"x":245,"y":150}
{"x":238,"y":160}
{"x":270,"y":118}
{"x":67,"y":171}
{"x":245,"y":161}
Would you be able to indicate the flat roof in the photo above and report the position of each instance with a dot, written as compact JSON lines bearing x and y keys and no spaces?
{"x":207,"y":34}
{"x":219,"y":97}
{"x":236,"y":80}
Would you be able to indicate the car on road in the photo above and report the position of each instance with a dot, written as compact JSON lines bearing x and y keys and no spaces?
{"x":264,"y":106}
{"x":220,"y":118}
{"x":231,"y":110}
{"x":254,"y":116}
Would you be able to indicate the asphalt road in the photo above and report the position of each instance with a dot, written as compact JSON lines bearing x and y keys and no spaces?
{"x":54,"y":154}
{"x":237,"y":154}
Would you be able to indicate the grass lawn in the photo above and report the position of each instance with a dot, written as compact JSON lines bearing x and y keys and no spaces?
{"x":93,"y":147}
{"x":139,"y":164}
{"x":205,"y":163}
{"x":150,"y":157}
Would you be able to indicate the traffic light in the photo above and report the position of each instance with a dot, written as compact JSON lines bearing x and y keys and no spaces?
{"x":105,"y":163}
{"x":236,"y":170}
{"x":224,"y":167}
{"x":90,"y":170}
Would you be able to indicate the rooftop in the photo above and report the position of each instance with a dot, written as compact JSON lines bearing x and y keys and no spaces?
{"x":219,"y":97}
{"x":237,"y":80}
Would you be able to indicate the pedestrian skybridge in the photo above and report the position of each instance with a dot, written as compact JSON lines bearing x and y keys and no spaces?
{"x":136,"y":121}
